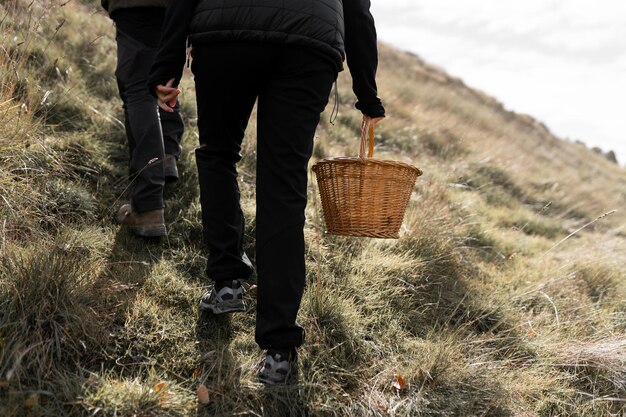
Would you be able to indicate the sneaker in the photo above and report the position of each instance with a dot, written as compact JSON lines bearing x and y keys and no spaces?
{"x":170,"y":168}
{"x":279,"y":367}
{"x":145,"y":224}
{"x":223,"y":299}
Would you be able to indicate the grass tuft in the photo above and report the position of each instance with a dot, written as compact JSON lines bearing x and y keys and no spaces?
{"x":49,"y":312}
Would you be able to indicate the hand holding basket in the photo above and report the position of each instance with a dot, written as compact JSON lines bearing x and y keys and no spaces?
{"x":364,"y":196}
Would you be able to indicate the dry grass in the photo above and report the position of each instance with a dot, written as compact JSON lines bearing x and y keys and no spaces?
{"x":481,"y":308}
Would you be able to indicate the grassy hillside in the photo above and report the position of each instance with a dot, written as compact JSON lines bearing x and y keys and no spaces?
{"x":481,"y":308}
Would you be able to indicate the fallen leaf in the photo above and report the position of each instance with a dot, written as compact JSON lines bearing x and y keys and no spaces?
{"x":197,"y":372}
{"x":32,"y":401}
{"x":158,"y":387}
{"x":203,"y":394}
{"x":398,"y":383}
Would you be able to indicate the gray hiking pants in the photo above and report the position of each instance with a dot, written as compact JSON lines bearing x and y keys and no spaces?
{"x":150,"y":132}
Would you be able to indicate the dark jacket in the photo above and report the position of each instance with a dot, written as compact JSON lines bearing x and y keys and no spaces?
{"x":337,"y":28}
{"x":317,"y":23}
{"x":113,"y":5}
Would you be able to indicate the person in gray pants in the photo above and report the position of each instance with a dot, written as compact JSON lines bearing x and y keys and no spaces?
{"x":153,"y":135}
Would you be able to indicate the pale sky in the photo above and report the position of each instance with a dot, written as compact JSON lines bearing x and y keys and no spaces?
{"x":561,"y":61}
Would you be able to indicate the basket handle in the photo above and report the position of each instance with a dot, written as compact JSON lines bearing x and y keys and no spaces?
{"x":367,"y":132}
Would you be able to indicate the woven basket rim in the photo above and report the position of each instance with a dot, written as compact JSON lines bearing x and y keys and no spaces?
{"x":366,"y":161}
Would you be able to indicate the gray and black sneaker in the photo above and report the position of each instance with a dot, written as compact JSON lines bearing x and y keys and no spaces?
{"x":280,"y":367}
{"x":223,"y":298}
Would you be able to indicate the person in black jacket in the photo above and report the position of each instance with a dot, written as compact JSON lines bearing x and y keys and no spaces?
{"x":285,"y":56}
{"x":153,"y":136}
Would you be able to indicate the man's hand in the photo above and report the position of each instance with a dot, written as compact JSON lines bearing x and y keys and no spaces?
{"x":367,"y":134}
{"x":371,"y":122}
{"x":166,"y":95}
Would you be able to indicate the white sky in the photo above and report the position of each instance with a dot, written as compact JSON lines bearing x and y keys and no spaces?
{"x":561,"y":61}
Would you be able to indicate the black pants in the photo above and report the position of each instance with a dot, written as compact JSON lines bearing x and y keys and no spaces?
{"x":151,"y":132}
{"x":292,"y":85}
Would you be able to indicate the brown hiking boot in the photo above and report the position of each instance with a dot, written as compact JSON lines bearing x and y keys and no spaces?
{"x":170,"y":168}
{"x":146,"y":224}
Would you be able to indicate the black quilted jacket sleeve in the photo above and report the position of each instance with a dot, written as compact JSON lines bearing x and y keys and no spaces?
{"x":362,"y":55}
{"x":170,"y":60}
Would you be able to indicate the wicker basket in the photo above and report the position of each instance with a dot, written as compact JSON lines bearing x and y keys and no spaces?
{"x":363,"y":196}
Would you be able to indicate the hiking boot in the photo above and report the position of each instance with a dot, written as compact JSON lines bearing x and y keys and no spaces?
{"x":170,"y":168}
{"x":145,"y":224}
{"x":280,"y":367}
{"x":226,"y":297}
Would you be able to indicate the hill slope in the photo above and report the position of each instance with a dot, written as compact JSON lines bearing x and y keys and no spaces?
{"x":481,"y":308}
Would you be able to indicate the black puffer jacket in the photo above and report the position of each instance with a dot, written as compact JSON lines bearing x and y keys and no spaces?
{"x":338,"y":28}
{"x":317,"y":23}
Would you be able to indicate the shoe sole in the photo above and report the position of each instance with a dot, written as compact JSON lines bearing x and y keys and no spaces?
{"x":290,"y":379}
{"x":228,"y":306}
{"x":149,"y":231}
